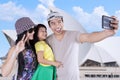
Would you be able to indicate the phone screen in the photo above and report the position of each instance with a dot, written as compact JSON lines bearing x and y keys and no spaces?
{"x":106,"y":22}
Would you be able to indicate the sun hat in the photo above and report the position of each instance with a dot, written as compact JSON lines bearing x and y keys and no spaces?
{"x":23,"y":24}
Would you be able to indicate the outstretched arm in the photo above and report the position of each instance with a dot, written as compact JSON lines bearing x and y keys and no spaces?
{"x":98,"y":36}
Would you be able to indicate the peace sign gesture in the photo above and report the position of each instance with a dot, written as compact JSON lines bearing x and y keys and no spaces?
{"x":20,"y":46}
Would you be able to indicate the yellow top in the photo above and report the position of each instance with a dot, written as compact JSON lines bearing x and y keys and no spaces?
{"x":48,"y":54}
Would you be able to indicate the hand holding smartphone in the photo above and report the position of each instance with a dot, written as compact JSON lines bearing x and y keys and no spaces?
{"x":106,"y":21}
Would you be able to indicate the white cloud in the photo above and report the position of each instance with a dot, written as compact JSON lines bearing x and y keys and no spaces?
{"x":48,"y":2}
{"x":41,"y":11}
{"x":8,"y":11}
{"x":90,"y":20}
{"x":81,"y":15}
{"x":99,"y":11}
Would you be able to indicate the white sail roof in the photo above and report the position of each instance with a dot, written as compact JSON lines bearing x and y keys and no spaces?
{"x":99,"y":54}
{"x":10,"y":35}
{"x":112,"y":46}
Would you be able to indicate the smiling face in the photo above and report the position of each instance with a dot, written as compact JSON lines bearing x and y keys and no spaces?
{"x":42,"y":33}
{"x":56,"y":25}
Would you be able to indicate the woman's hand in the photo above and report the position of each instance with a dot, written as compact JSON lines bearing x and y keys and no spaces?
{"x":7,"y":67}
{"x":58,"y":64}
{"x":20,"y":46}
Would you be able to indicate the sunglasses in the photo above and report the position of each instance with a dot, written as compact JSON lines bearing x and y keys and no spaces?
{"x":31,"y":30}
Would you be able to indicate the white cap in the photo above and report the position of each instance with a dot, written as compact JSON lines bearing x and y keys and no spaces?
{"x":53,"y":15}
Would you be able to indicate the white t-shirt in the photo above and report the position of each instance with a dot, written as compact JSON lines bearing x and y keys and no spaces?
{"x":67,"y":52}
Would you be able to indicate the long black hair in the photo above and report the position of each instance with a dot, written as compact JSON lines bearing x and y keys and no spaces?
{"x":29,"y":45}
{"x":36,"y":39}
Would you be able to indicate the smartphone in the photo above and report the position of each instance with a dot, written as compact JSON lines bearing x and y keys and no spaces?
{"x":106,"y":20}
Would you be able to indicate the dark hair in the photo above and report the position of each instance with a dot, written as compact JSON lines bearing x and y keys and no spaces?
{"x":19,"y":37}
{"x":49,"y":21}
{"x":36,"y":39}
{"x":29,"y":45}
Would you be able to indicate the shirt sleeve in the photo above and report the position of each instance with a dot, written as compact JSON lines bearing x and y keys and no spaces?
{"x":39,"y":46}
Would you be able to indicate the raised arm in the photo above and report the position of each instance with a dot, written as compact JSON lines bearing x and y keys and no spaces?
{"x":98,"y":36}
{"x":9,"y":63}
{"x":12,"y":55}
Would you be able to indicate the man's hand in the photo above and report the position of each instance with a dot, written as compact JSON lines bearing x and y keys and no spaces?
{"x":115,"y":23}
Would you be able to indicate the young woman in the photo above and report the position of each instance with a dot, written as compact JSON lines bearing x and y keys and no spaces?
{"x":46,"y":69}
{"x":23,"y":51}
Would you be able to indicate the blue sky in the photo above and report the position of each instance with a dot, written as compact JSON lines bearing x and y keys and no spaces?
{"x":87,"y":12}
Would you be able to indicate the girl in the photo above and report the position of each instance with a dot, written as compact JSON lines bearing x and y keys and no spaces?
{"x":46,"y":69}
